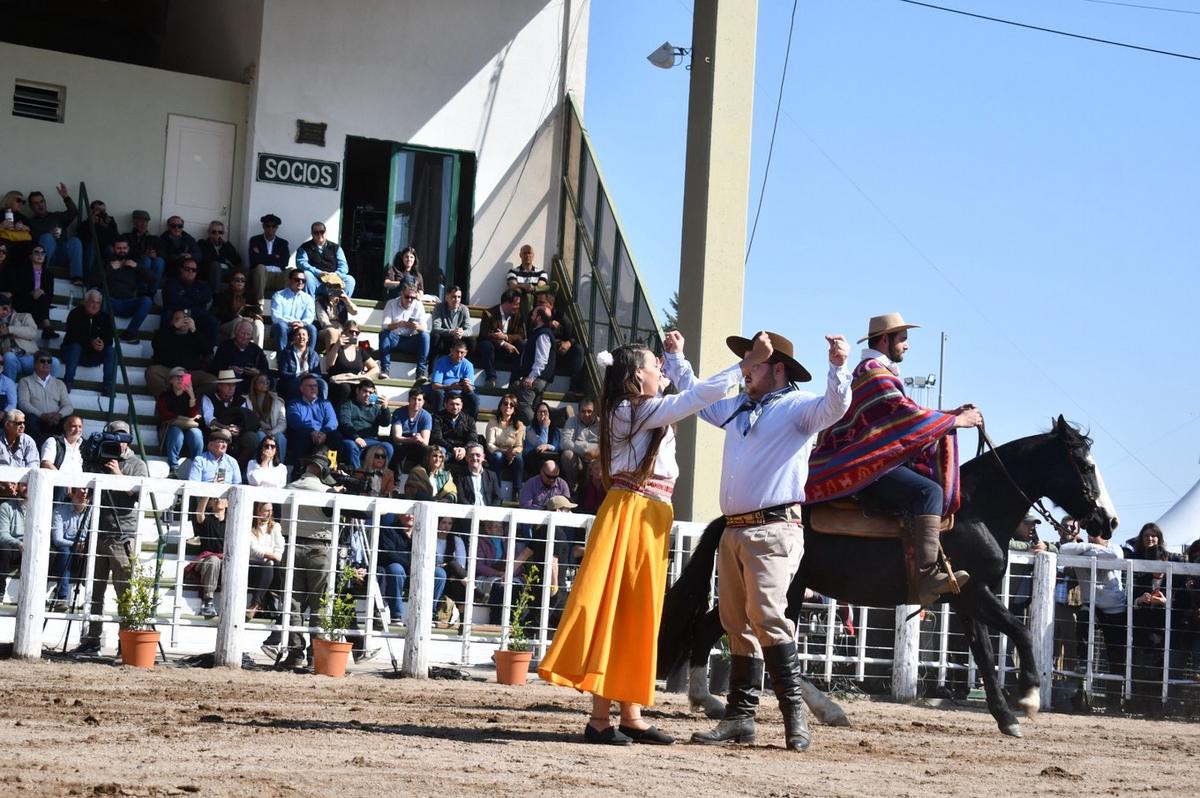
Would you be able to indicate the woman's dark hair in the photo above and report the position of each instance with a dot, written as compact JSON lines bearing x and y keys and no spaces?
{"x":398,"y":262}
{"x":621,"y":385}
{"x":258,"y":454}
{"x":539,"y":406}
{"x":513,"y":418}
{"x":1155,"y":552}
{"x":295,"y":332}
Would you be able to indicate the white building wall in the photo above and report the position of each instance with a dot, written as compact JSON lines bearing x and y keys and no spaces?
{"x":114,"y":133}
{"x":474,"y":75}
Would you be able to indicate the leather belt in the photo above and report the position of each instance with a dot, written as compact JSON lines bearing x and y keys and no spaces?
{"x":780,"y":513}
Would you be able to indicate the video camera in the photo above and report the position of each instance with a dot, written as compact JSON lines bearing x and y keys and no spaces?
{"x":100,"y":447}
{"x":369,"y":484}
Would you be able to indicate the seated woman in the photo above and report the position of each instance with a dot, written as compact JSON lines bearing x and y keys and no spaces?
{"x":178,"y":410}
{"x":431,"y":481}
{"x":375,"y":463}
{"x":405,"y":270}
{"x":504,"y":439}
{"x":334,"y":311}
{"x":271,"y":411}
{"x":232,"y":304}
{"x":299,"y":359}
{"x":266,"y":552}
{"x":33,"y":289}
{"x":267,"y":469}
{"x":346,"y":363}
{"x":542,"y":439}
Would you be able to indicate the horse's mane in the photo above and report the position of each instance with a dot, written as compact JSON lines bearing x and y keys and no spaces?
{"x":1073,"y":434}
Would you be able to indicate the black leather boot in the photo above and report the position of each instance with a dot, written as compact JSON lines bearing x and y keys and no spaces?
{"x":785,"y":678}
{"x":745,"y":685}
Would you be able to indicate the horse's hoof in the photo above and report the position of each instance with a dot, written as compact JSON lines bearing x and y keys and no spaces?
{"x":1030,"y":703}
{"x":838,"y":719}
{"x":1012,"y":730}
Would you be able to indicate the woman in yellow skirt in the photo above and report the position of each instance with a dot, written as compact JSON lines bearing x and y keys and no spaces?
{"x":606,"y":643}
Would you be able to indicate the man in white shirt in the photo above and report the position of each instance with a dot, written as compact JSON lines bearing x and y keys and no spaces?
{"x":1106,"y":604}
{"x":405,"y":329}
{"x":61,"y":452}
{"x":478,"y":486}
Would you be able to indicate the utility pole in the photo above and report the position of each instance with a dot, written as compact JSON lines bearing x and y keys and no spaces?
{"x":941,"y":370}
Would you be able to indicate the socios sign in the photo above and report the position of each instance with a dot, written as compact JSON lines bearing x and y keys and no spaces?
{"x":297,"y":171}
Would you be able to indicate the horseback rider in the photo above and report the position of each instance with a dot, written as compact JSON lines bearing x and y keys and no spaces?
{"x":895,"y":452}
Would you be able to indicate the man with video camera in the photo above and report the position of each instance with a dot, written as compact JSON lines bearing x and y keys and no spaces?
{"x":109,"y":453}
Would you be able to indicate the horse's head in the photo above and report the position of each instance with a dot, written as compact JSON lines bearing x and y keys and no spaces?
{"x":1077,"y":486}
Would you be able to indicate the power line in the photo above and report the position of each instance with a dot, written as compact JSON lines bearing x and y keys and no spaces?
{"x":762,"y":191}
{"x":1147,"y":8}
{"x":1052,"y":30}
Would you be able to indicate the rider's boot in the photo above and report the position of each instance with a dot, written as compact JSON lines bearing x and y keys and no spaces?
{"x":745,"y":685}
{"x":784,"y":668}
{"x":927,"y":530}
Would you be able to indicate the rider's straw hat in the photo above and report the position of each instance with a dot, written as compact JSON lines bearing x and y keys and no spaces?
{"x":783,"y":354}
{"x":887,"y":323}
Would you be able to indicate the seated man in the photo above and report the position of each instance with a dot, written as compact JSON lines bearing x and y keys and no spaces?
{"x":453,"y":375}
{"x":359,"y":420}
{"x":176,"y":245}
{"x":129,"y":285}
{"x":412,"y":427}
{"x":478,"y":486}
{"x":143,"y":247}
{"x":18,"y":449}
{"x":241,"y":355}
{"x":543,"y":486}
{"x":12,"y":530}
{"x":192,"y":296}
{"x":311,"y":422}
{"x":525,"y":276}
{"x":501,"y":335}
{"x":292,"y":307}
{"x":266,"y":250}
{"x":106,"y":230}
{"x":894,"y":451}
{"x":568,"y":351}
{"x":218,"y":257}
{"x":68,"y":531}
{"x":49,"y":228}
{"x":43,"y":398}
{"x":214,"y":465}
{"x":89,"y":341}
{"x":536,"y":367}
{"x":18,"y":339}
{"x":226,"y":409}
{"x":453,"y":430}
{"x":580,"y":444}
{"x":451,"y":323}
{"x":405,"y":328}
{"x":319,"y":256}
{"x":179,"y":343}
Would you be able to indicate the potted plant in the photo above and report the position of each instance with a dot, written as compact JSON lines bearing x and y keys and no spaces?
{"x":335,"y":614}
{"x":512,"y":662}
{"x":136,"y":612}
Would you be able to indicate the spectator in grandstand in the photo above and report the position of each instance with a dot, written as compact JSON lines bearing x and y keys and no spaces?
{"x":311,"y":422}
{"x":68,"y":531}
{"x":208,"y":526}
{"x":451,"y":324}
{"x":478,"y":486}
{"x":489,"y":568}
{"x":184,"y":292}
{"x":318,"y":259}
{"x":61,"y":452}
{"x":178,"y":411}
{"x":450,"y":557}
{"x":504,"y":438}
{"x":128,"y":286}
{"x":347,"y":362}
{"x":525,"y":276}
{"x":536,"y":366}
{"x":453,"y":375}
{"x":266,"y":467}
{"x":241,"y":355}
{"x":405,"y":270}
{"x":568,"y":351}
{"x":117,"y":543}
{"x":1108,"y":606}
{"x":19,"y":449}
{"x":406,"y":330}
{"x":542,"y":439}
{"x":12,"y":532}
{"x":359,"y":420}
{"x":292,"y":308}
{"x":453,"y":430}
{"x":233,"y":305}
{"x":412,"y":427}
{"x":431,"y":481}
{"x":7,"y":267}
{"x":143,"y":246}
{"x":89,"y":341}
{"x":49,"y":229}
{"x":176,"y":245}
{"x":271,"y":411}
{"x":43,"y":398}
{"x":215,"y":465}
{"x":298,"y":360}
{"x":335,"y":310}
{"x":105,"y":226}
{"x":375,"y":463}
{"x":543,"y":486}
{"x":266,"y":552}
{"x":593,"y":489}
{"x":501,"y":335}
{"x":266,"y":250}
{"x":395,"y":558}
{"x":580,"y":444}
{"x":16,"y":232}
{"x":33,"y":287}
{"x":18,"y":339}
{"x":178,"y":344}
{"x":218,"y":256}
{"x":225,"y":409}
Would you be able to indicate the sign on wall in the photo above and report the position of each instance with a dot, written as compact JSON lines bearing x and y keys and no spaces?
{"x":293,"y":171}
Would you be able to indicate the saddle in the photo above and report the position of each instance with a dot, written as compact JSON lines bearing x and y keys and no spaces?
{"x":853,"y":517}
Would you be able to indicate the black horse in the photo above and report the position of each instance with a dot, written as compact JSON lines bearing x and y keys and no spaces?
{"x":870,"y":572}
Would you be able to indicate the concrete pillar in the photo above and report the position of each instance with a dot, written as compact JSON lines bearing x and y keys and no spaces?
{"x":906,"y":653}
{"x":419,"y":613}
{"x":235,"y":574}
{"x":35,"y":566}
{"x":715,"y":198}
{"x":1041,"y":620}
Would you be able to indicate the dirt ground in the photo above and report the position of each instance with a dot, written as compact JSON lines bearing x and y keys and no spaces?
{"x":70,"y":728}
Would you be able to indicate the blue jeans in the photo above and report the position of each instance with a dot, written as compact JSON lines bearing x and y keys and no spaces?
{"x":280,"y":330}
{"x":354,"y":452}
{"x":158,"y":267}
{"x":63,"y":252}
{"x":392,"y":579}
{"x":314,"y":286}
{"x":907,"y":490}
{"x":496,"y":460}
{"x":74,"y":355}
{"x":60,"y":570}
{"x":135,"y":309}
{"x":16,"y":366}
{"x":180,"y":441}
{"x":392,"y":341}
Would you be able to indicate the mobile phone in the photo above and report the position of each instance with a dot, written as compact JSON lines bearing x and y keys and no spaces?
{"x":187,"y":381}
{"x":220,"y":475}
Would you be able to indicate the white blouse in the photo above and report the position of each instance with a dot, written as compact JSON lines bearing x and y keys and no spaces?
{"x":267,"y":476}
{"x":662,"y":411}
{"x":268,"y":541}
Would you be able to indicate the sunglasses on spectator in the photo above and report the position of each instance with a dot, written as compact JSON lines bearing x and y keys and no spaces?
{"x":44,"y":360}
{"x":381,"y":455}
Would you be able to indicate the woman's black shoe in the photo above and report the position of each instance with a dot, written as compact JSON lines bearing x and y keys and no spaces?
{"x":650,"y":735}
{"x":609,"y":736}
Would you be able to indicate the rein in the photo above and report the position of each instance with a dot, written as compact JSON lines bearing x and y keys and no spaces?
{"x":985,"y":443}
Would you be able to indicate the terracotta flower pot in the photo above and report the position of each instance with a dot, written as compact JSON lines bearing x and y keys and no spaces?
{"x":512,"y":667}
{"x":139,"y":648}
{"x":330,"y":657}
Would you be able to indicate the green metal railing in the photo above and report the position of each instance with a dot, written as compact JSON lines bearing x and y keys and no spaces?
{"x":607,"y":293}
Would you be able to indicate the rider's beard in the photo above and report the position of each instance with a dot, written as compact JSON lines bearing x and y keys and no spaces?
{"x":897,"y":354}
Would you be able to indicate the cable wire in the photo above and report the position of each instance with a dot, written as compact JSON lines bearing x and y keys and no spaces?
{"x":1147,"y":8}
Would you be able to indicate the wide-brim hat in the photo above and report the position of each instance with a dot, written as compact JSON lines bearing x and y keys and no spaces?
{"x":556,"y":503}
{"x":332,"y":279}
{"x":322,"y":464}
{"x":783,"y":354}
{"x":227,"y":377}
{"x":887,"y":323}
{"x":220,"y":435}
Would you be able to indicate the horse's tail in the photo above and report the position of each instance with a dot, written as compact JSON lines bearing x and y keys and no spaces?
{"x":687,"y":600}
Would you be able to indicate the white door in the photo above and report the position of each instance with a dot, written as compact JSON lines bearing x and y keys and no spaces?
{"x":198,"y":175}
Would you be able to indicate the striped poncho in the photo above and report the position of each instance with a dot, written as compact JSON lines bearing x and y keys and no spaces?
{"x":882,"y":429}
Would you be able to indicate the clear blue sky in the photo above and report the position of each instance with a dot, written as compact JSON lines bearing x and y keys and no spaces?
{"x":1033,"y":196}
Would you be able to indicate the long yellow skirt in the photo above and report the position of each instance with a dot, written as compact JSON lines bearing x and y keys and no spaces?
{"x":607,"y":641}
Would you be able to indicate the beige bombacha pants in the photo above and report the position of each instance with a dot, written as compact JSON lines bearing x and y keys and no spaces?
{"x":755,"y":566}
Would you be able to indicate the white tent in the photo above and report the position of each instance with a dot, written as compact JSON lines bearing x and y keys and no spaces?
{"x":1181,"y":524}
